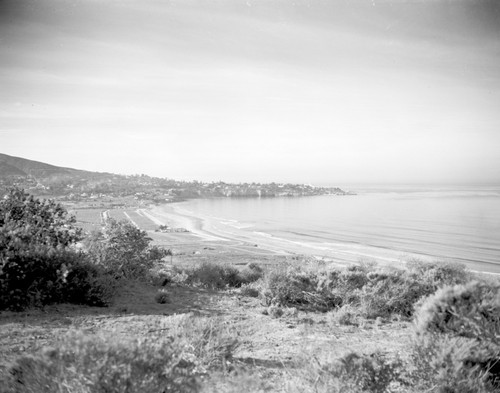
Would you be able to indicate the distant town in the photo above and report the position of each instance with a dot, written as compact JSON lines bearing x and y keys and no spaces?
{"x":94,"y":188}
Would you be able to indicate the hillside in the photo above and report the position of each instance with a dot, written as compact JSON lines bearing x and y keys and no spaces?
{"x":76,"y":185}
{"x":36,"y":169}
{"x":7,"y":171}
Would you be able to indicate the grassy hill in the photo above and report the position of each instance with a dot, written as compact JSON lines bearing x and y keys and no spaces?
{"x":35,"y":176}
{"x":18,"y":166}
{"x":7,"y":170}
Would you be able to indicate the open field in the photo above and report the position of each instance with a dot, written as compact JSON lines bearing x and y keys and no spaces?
{"x":89,"y":219}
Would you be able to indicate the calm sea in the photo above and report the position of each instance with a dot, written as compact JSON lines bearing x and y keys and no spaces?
{"x":446,"y":223}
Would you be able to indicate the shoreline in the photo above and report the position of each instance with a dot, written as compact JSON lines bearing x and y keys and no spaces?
{"x":209,"y":229}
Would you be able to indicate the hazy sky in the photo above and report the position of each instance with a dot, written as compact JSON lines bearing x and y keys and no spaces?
{"x":270,"y":90}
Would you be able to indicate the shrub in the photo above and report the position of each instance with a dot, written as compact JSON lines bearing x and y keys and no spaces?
{"x":251,"y":273}
{"x":286,"y":285}
{"x":31,"y":279}
{"x":351,"y":280}
{"x":345,"y":315}
{"x":45,"y":277}
{"x":352,"y":373}
{"x":376,"y":292}
{"x":211,"y":341}
{"x":275,"y":311}
{"x":216,"y":275}
{"x":439,"y":274}
{"x":213,"y":275}
{"x":88,"y":284}
{"x":162,"y":297}
{"x":103,"y":364}
{"x":249,"y":291}
{"x":37,"y":254}
{"x":124,"y":250}
{"x":392,"y":292}
{"x":28,"y":224}
{"x":457,"y":348}
{"x":471,"y":310}
{"x":442,"y":363}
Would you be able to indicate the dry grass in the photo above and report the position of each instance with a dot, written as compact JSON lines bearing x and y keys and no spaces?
{"x":230,"y":345}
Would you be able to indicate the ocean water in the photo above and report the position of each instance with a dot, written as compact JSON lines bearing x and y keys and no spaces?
{"x":384,"y":223}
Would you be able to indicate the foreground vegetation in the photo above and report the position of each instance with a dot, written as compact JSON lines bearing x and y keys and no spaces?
{"x":453,"y":314}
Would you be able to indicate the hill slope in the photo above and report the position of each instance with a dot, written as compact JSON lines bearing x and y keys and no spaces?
{"x":7,"y":170}
{"x":35,"y":175}
{"x":17,"y":166}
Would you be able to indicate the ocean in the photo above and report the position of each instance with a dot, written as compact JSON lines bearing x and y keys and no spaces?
{"x":380,"y":223}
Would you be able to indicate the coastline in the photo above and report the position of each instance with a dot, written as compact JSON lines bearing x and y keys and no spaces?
{"x":223,"y":234}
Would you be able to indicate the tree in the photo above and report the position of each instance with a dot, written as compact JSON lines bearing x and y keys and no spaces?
{"x":123,"y":249}
{"x":35,"y":250}
{"x":28,"y":224}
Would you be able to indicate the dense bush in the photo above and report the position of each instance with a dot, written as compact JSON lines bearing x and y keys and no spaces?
{"x":46,"y":277}
{"x":28,"y":224}
{"x":164,"y":355}
{"x":211,"y":341}
{"x":289,"y":284}
{"x":249,"y":290}
{"x":104,"y":364}
{"x":439,"y":274}
{"x":162,"y":297}
{"x":345,"y":315}
{"x":457,"y":348}
{"x":442,"y":363}
{"x":471,"y":310}
{"x":374,"y":291}
{"x":123,"y":249}
{"x":353,"y":373}
{"x":38,"y":262}
{"x":214,"y":275}
{"x":391,"y":292}
{"x":87,"y":283}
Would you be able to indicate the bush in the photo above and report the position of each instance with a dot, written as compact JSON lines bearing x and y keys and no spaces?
{"x":213,"y":275}
{"x":249,"y":291}
{"x":46,"y":277}
{"x":216,"y":276}
{"x":31,"y":279}
{"x":211,"y":341}
{"x":392,"y":292}
{"x":457,"y":348}
{"x":286,"y":285}
{"x":275,"y":311}
{"x":163,"y":355}
{"x":251,"y":273}
{"x":439,"y":274}
{"x":443,"y":363}
{"x":471,"y":310}
{"x":28,"y":224}
{"x":375,"y":292}
{"x":88,"y":284}
{"x":124,"y":250}
{"x":103,"y":364}
{"x":345,"y":315}
{"x":162,"y":297}
{"x":353,"y":373}
{"x":37,"y":255}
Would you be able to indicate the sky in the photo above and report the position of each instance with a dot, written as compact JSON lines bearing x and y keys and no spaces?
{"x":304,"y":91}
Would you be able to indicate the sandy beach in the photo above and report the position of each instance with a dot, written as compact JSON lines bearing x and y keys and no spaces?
{"x":222,"y":233}
{"x":233,"y":235}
